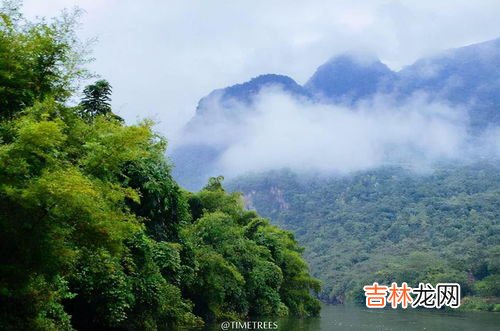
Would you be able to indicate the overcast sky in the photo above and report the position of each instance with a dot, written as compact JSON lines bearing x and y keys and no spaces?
{"x":162,"y":56}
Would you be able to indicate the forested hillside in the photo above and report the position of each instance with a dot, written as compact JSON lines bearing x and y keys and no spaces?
{"x":94,"y":232}
{"x":391,"y":225}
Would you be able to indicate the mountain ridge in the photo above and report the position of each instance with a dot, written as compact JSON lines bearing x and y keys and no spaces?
{"x":466,"y":78}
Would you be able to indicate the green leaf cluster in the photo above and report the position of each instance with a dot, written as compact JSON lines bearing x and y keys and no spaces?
{"x":95,"y":233}
{"x":247,"y":266}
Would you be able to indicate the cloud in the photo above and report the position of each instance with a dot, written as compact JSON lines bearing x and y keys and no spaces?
{"x":162,"y":56}
{"x":279,"y":131}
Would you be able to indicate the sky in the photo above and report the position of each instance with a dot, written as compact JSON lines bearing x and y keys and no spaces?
{"x":161,"y":57}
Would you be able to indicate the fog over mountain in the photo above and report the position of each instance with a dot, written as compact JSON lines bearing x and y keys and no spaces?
{"x":182,"y":50}
{"x":354,"y":113}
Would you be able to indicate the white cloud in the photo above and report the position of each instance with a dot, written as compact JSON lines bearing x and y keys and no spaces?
{"x":279,"y":131}
{"x":162,"y":56}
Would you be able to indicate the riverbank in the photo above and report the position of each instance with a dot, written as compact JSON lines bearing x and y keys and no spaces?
{"x":489,"y":304}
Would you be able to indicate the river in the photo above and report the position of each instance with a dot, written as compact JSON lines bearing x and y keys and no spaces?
{"x":352,"y":317}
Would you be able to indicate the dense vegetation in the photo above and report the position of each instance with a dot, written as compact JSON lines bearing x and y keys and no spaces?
{"x":391,"y":225}
{"x":95,"y":233}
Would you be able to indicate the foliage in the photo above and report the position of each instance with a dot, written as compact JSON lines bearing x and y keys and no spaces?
{"x":97,"y":98}
{"x":37,"y":59}
{"x":389,"y":225}
{"x":95,"y":233}
{"x":247,"y":266}
{"x":97,"y":101}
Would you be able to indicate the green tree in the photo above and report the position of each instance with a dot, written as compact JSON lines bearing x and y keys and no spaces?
{"x":264,"y":271}
{"x":37,"y":59}
{"x":95,"y":233}
{"x":96,"y":99}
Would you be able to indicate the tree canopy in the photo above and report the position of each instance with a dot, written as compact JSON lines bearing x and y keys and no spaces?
{"x":391,"y":225}
{"x":95,"y":233}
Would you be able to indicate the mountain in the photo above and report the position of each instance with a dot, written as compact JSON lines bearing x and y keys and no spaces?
{"x":457,"y":75}
{"x":245,"y":93}
{"x":221,"y":110}
{"x":384,"y":224}
{"x":388,"y":225}
{"x":466,"y":77}
{"x":349,"y":78}
{"x":194,"y":164}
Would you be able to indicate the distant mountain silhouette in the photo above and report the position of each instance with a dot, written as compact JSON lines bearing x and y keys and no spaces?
{"x":467,"y":77}
{"x":246,"y":92}
{"x":348,"y":78}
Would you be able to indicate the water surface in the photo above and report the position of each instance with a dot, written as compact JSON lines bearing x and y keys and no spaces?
{"x":352,"y":317}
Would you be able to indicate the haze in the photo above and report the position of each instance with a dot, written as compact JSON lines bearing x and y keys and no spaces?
{"x":162,"y":56}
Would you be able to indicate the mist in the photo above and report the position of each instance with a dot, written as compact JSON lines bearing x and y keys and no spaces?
{"x":280,"y":131}
{"x":161,"y":56}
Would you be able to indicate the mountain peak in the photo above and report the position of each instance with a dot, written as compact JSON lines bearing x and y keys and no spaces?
{"x":246,"y":92}
{"x":349,"y":77}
